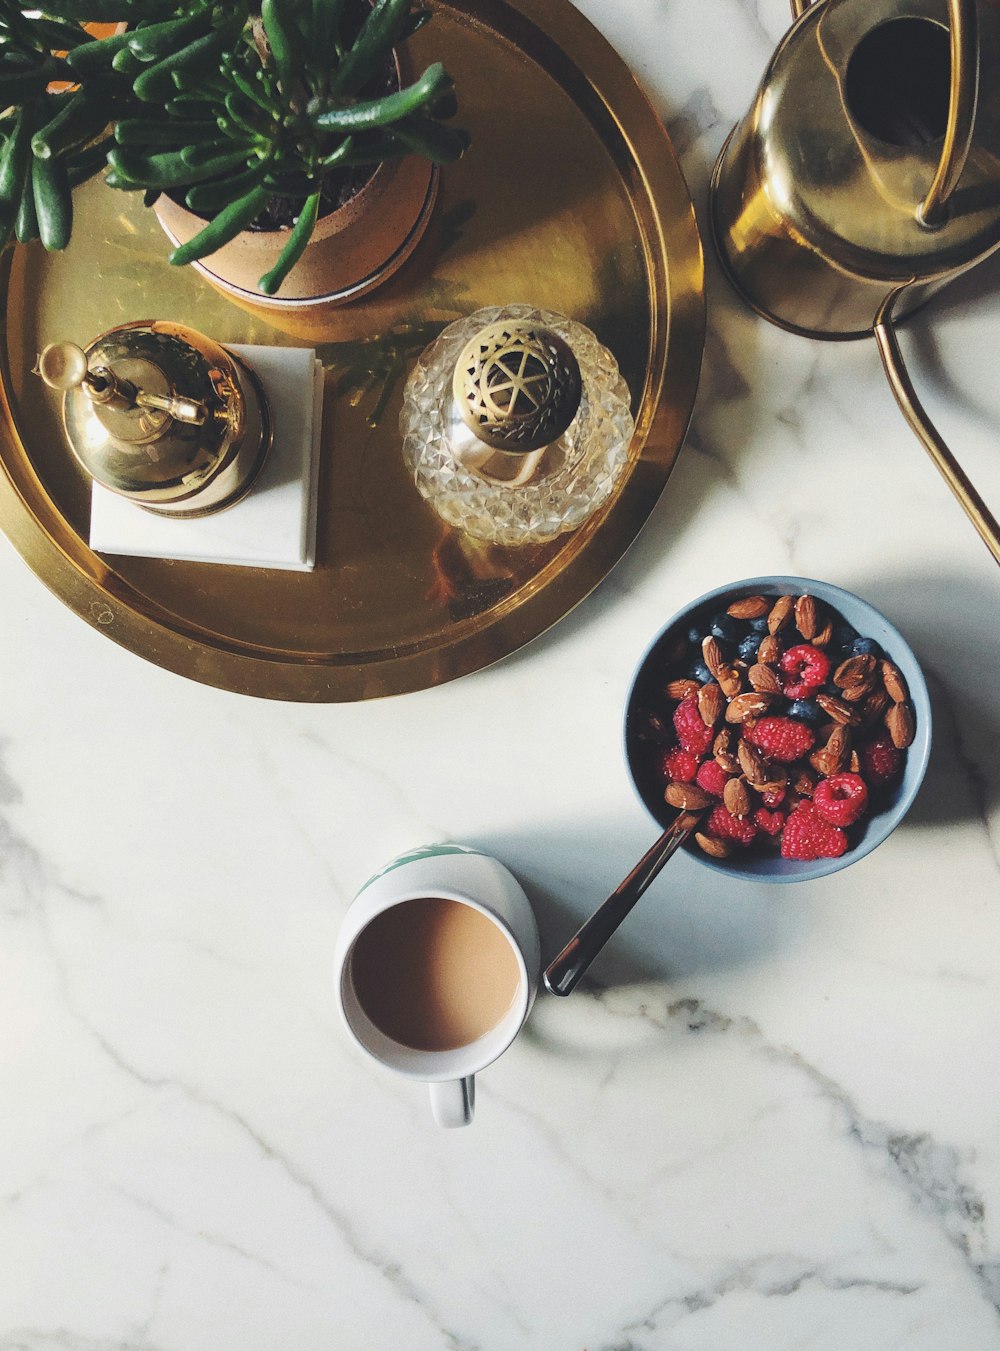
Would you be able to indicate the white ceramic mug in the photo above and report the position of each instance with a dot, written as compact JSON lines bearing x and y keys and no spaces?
{"x":454,"y":873}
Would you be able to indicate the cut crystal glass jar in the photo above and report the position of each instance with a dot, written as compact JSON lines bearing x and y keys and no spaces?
{"x":516,"y":424}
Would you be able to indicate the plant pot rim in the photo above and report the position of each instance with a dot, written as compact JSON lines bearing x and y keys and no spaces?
{"x":260,"y":248}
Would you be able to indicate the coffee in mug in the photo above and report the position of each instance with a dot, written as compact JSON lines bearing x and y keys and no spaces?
{"x":436,"y":969}
{"x":434,"y":974}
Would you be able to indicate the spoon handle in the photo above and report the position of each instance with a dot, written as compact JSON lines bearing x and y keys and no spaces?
{"x":562,"y":974}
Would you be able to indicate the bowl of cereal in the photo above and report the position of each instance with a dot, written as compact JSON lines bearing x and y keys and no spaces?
{"x":790,"y":714}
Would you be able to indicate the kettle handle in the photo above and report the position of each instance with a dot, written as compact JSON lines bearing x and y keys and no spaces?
{"x":916,"y":415}
{"x":963,"y":96}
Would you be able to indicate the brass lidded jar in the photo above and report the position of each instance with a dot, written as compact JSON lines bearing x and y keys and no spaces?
{"x":516,"y":424}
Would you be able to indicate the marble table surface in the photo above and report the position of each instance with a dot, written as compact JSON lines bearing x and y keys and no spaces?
{"x":770,"y":1121}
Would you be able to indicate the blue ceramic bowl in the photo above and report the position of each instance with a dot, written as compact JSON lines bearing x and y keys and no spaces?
{"x":654,"y":668}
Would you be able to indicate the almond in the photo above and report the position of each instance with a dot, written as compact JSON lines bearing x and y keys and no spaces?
{"x":723,"y":752}
{"x":711,"y":702}
{"x":714,"y":847}
{"x":804,"y":782}
{"x":781,"y":615}
{"x":825,"y":634}
{"x":751,"y":607}
{"x":764,"y":679}
{"x":873,"y":707}
{"x":750,"y":705}
{"x":730,"y":680}
{"x":713,"y":654}
{"x":894,"y":682}
{"x":854,"y":671}
{"x":899,"y":721}
{"x":854,"y":764}
{"x":680,"y":689}
{"x":752,"y":763}
{"x":769,"y":652}
{"x":736,"y":798}
{"x":832,"y":757}
{"x":807,"y":617}
{"x":688,"y":796}
{"x":853,"y":694}
{"x":838,"y":710}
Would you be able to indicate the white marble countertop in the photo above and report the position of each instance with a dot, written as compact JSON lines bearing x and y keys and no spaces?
{"x":771,"y":1121}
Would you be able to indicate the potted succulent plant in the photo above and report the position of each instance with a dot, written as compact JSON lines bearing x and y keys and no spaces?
{"x":256,"y":134}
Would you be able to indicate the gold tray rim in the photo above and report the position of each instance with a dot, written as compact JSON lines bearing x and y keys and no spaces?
{"x":630,"y":129}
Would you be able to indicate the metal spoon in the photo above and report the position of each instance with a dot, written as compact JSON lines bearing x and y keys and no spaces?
{"x":562,"y":974}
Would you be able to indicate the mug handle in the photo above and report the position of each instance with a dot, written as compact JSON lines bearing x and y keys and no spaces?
{"x":453,"y":1101}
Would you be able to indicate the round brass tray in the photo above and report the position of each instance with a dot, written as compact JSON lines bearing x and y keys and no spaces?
{"x":571,"y":199}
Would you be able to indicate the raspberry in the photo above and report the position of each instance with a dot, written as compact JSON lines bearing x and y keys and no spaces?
{"x":691,"y":730}
{"x":880,"y":761}
{"x":770,"y":823}
{"x":726,"y":826}
{"x":807,"y":836}
{"x":781,"y":739}
{"x":678,"y":766}
{"x":805,"y":668}
{"x":712,"y":777}
{"x":841,"y":799}
{"x":773,"y":795}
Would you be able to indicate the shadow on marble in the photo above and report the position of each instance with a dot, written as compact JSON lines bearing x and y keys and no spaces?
{"x":949,"y":619}
{"x":691,"y":921}
{"x":978,"y":287}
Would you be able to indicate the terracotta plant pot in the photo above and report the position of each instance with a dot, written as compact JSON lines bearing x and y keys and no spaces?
{"x":352,"y":249}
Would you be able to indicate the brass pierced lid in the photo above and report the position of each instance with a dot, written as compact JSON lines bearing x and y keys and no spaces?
{"x":518,"y":386}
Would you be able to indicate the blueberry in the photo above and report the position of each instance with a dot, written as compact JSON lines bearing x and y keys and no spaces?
{"x":748,"y":647}
{"x":695,"y":636}
{"x":759,"y":625}
{"x":831,"y":688}
{"x":866,"y":647}
{"x":728,"y":629}
{"x":701,"y":673}
{"x":806,"y":710}
{"x":843,"y":635}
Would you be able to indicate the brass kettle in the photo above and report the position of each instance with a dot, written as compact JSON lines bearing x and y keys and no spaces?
{"x":865,"y":176}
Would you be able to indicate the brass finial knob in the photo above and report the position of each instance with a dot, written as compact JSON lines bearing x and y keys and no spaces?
{"x":518,"y":386}
{"x":63,"y":365}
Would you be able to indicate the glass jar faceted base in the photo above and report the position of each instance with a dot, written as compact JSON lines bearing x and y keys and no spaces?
{"x":497,"y":496}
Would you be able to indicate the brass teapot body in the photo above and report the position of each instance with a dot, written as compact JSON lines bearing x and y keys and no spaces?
{"x":865,"y":176}
{"x":162,"y":415}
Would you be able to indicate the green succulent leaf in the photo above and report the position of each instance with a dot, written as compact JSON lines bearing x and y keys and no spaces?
{"x":139,"y":131}
{"x":168,"y":170}
{"x":161,"y":39}
{"x":79,"y":118}
{"x":15,"y":163}
{"x":223,"y":228}
{"x":441,"y":145}
{"x":26,"y":221}
{"x":156,"y":82}
{"x":433,"y":84}
{"x":91,"y":57}
{"x":53,"y":202}
{"x":381,"y":30}
{"x":104,"y":11}
{"x":213,"y":195}
{"x":300,"y":236}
